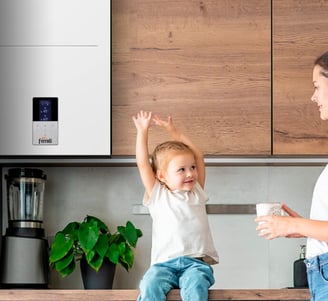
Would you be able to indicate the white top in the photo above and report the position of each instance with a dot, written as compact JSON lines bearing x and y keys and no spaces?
{"x":319,"y":211}
{"x":180,"y":224}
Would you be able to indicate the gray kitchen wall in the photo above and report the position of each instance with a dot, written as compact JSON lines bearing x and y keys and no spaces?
{"x":246,"y":260}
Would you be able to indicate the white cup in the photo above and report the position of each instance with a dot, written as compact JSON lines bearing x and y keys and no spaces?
{"x":269,"y":209}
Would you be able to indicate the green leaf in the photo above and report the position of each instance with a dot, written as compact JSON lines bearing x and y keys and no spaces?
{"x":129,"y":232}
{"x":126,"y":255}
{"x":88,"y":236}
{"x":61,"y":245}
{"x":68,"y":270}
{"x":129,"y":257}
{"x":102,"y":227}
{"x":139,"y":233}
{"x":102,"y":245}
{"x":65,"y":262}
{"x":90,"y":255}
{"x":121,"y":248}
{"x":124,"y":265}
{"x":113,"y":253}
{"x":96,"y":263}
{"x":71,"y":230}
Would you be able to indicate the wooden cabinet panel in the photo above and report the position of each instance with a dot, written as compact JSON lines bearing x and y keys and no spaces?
{"x":300,"y":30}
{"x":208,"y":63}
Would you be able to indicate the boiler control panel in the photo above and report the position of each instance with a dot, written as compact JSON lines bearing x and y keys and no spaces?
{"x":45,"y":121}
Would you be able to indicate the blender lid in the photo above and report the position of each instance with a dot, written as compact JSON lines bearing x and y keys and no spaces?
{"x":26,"y":173}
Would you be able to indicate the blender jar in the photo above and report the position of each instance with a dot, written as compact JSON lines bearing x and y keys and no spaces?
{"x":25,"y":193}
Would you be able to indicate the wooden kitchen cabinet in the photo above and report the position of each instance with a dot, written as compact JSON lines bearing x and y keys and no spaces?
{"x":208,"y":63}
{"x":300,"y":30}
{"x":233,"y":81}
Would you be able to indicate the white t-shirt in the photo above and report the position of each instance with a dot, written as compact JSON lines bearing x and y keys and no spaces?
{"x":180,"y":224}
{"x":319,"y":211}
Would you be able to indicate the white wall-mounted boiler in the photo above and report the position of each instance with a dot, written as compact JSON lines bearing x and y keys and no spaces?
{"x":55,"y":78}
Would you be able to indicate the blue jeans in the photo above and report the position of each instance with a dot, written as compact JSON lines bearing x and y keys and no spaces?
{"x":317,"y":273}
{"x":192,"y":276}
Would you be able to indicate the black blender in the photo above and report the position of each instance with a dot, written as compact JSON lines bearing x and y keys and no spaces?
{"x":24,"y":256}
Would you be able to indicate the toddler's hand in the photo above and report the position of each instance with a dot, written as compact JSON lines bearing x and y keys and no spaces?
{"x":168,"y":125}
{"x":142,"y":120}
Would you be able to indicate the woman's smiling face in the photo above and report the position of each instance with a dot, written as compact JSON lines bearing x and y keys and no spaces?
{"x":320,"y":94}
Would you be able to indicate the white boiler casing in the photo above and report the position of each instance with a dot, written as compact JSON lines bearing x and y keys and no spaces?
{"x":55,"y":49}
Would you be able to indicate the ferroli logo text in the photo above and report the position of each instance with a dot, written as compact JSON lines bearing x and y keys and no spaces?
{"x":45,"y":140}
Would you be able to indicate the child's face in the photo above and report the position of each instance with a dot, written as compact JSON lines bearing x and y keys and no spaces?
{"x":181,"y":172}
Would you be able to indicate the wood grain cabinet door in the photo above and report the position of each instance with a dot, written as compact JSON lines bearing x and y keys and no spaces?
{"x":208,"y":63}
{"x":300,"y":31}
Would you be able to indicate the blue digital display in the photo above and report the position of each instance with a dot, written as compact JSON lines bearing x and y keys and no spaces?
{"x":45,"y":109}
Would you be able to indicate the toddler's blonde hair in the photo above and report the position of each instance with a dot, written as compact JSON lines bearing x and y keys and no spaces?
{"x":164,"y":152}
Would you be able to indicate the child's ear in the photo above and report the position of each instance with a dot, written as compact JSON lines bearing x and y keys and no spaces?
{"x":160,"y":176}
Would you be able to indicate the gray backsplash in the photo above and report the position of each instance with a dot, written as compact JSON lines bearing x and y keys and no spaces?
{"x":246,"y":261}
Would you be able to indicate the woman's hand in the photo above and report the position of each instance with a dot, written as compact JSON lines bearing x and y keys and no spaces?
{"x":289,"y":211}
{"x":273,"y":226}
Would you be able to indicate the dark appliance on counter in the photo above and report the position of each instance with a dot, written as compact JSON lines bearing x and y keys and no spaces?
{"x":24,"y":254}
{"x":300,"y":275}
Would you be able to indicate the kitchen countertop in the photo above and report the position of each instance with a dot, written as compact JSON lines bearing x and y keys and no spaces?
{"x":131,"y":295}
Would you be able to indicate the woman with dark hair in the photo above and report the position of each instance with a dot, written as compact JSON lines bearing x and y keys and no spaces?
{"x":316,"y":227}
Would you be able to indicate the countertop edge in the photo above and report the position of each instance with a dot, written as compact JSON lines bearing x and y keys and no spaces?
{"x":131,"y":294}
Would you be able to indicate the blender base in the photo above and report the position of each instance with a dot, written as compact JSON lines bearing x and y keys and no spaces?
{"x":24,"y":262}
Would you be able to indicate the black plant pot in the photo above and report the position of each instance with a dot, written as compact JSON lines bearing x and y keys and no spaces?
{"x":103,"y":279}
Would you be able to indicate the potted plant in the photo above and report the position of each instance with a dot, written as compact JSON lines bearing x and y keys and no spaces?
{"x":92,"y":241}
